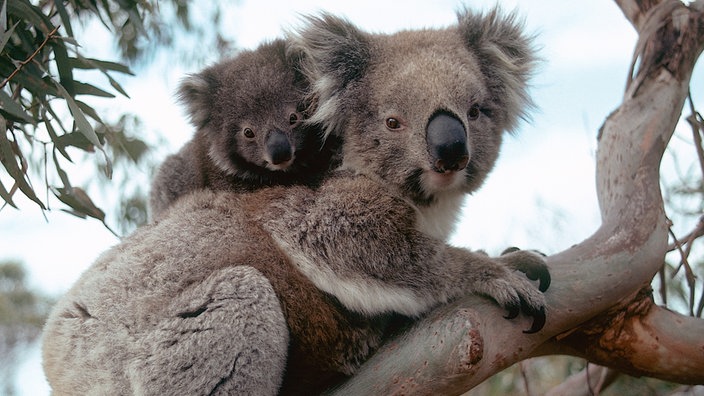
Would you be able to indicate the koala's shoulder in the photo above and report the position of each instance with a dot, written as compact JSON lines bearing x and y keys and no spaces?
{"x":360,"y":195}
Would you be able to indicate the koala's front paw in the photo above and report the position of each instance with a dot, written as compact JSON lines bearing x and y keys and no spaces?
{"x":530,"y":301}
{"x":531,"y":263}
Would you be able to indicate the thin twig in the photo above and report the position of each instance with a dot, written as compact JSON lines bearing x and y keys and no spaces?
{"x":522,"y":368}
{"x":697,"y":232}
{"x":695,"y":121}
{"x":689,"y":274}
{"x":31,"y":57}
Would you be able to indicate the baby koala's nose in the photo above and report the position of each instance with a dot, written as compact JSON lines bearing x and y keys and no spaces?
{"x":278,"y":147}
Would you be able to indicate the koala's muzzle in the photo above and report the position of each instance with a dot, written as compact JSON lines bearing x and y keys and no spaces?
{"x":447,"y":143}
{"x":278,"y":147}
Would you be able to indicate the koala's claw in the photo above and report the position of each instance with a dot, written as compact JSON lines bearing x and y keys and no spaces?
{"x":539,"y":319}
{"x":510,"y":250}
{"x":513,"y":311}
{"x":535,"y":268}
{"x":539,"y":316}
{"x":532,"y":269}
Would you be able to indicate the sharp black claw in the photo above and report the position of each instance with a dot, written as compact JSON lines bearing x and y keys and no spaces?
{"x":513,"y":311}
{"x":538,"y":322}
{"x":510,"y":250}
{"x":544,"y":281}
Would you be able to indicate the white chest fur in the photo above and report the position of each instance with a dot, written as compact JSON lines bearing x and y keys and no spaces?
{"x":439,"y":219}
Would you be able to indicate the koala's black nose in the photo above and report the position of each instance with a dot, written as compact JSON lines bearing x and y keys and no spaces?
{"x":278,"y":147}
{"x":447,"y":143}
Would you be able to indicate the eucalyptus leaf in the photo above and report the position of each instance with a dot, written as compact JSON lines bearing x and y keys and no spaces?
{"x":5,"y":35}
{"x":14,"y":109}
{"x":8,"y":159}
{"x":6,"y":196}
{"x":80,"y":119}
{"x":88,"y":89}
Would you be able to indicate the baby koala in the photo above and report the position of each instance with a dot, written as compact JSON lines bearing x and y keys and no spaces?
{"x":248,"y":113}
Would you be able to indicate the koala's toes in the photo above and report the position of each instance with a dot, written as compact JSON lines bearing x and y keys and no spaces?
{"x":530,"y":263}
{"x":531,"y":304}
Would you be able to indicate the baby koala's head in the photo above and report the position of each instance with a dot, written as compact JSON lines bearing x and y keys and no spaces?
{"x":249,"y":108}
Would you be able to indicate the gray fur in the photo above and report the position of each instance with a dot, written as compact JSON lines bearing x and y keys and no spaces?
{"x":259,"y":90}
{"x":344,"y":259}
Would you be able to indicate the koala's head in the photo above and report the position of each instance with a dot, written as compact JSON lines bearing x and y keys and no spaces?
{"x":424,"y":110}
{"x":249,"y":108}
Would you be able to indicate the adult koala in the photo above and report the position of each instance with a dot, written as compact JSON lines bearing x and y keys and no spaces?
{"x":290,"y":289}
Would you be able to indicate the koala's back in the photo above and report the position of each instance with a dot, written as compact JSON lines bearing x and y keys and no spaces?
{"x":189,"y":170}
{"x":143,"y":308}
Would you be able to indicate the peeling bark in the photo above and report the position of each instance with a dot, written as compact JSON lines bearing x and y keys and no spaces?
{"x":599,"y":306}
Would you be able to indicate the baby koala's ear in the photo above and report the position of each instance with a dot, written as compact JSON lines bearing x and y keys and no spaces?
{"x":197,"y":92}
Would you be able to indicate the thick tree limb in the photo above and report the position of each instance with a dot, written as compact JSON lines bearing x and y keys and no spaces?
{"x":596,"y":305}
{"x":643,"y":339}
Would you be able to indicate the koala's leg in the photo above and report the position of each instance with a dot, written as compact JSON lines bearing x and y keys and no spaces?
{"x":226,"y":335}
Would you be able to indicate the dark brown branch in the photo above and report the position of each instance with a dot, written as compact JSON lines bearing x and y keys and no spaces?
{"x":31,"y":57}
{"x":636,"y":10}
{"x":643,"y":340}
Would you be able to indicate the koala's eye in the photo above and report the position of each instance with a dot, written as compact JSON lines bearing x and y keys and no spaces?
{"x":474,"y":112}
{"x":294,"y":118}
{"x":248,"y":133}
{"x":393,"y":123}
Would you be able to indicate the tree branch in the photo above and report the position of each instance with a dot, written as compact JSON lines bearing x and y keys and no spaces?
{"x":643,"y":340}
{"x":588,"y":382}
{"x":30,"y":58}
{"x":459,"y":345}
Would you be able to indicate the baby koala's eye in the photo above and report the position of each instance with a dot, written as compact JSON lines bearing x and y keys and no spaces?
{"x":248,"y":133}
{"x":474,"y":112}
{"x":393,"y":123}
{"x":294,"y":118}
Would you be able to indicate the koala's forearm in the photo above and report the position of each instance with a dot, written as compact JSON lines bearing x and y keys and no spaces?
{"x":364,"y":247}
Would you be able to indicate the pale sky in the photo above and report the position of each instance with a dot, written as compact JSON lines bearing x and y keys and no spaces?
{"x":541,"y":194}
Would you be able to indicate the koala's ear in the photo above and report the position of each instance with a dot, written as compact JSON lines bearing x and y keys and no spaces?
{"x":197,"y":92}
{"x":506,"y":56}
{"x":334,"y":53}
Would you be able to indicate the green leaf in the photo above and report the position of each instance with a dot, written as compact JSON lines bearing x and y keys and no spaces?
{"x":3,"y":19}
{"x":3,"y":192}
{"x":62,"y":174}
{"x":84,"y":126}
{"x":81,"y":122}
{"x":77,"y":199}
{"x":7,"y":157}
{"x":54,"y":137}
{"x":65,"y":19}
{"x":23,"y":10}
{"x":88,"y":63}
{"x":77,"y":140}
{"x":64,"y":67}
{"x":117,"y":86}
{"x":90,"y":112}
{"x":5,"y":36}
{"x":12,"y":108}
{"x":6,"y":196}
{"x":104,"y":67}
{"x":88,"y":89}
